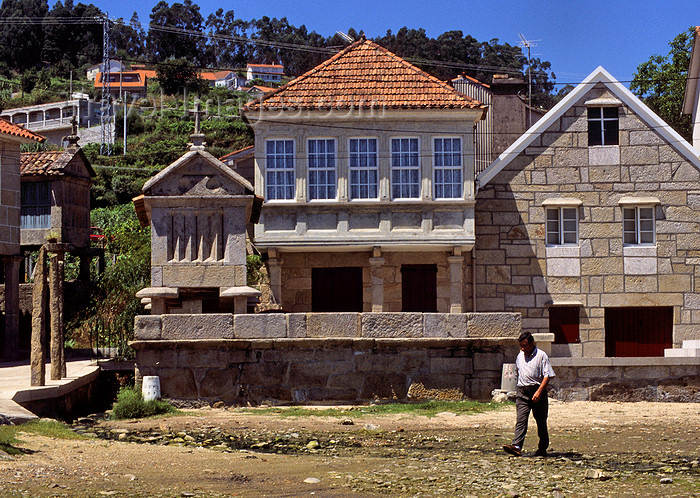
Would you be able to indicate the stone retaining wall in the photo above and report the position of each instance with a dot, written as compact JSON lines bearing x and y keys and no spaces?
{"x":626,"y":379}
{"x":325,"y":369}
{"x":315,"y":325}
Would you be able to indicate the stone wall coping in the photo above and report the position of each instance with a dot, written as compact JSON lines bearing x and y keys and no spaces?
{"x":66,"y":385}
{"x":356,"y":343}
{"x":641,"y":361}
{"x":241,"y":290}
{"x":171,"y":292}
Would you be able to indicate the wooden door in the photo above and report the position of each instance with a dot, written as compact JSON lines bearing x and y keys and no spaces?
{"x":643,"y":331}
{"x":336,"y":289}
{"x":564,"y":324}
{"x":419,"y":288}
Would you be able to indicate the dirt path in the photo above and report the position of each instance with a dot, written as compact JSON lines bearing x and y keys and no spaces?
{"x":600,"y":449}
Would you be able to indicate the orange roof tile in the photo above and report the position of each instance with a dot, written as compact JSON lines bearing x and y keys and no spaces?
{"x":243,"y":151}
{"x":365,"y":75}
{"x":8,"y":128}
{"x":464,"y":76}
{"x":50,"y":162}
{"x":266,"y":65}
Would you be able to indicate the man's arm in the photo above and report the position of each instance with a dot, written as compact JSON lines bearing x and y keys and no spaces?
{"x":540,"y":390}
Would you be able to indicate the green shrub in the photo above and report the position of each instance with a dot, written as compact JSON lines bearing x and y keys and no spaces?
{"x":130,"y":404}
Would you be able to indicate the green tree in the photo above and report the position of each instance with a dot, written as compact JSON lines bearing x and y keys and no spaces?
{"x":162,"y":45}
{"x":21,"y":43}
{"x":660,"y":83}
{"x":176,"y":75}
{"x":129,"y":39}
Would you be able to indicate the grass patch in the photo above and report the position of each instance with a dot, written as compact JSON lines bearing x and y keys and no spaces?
{"x":424,"y":408}
{"x":130,"y":404}
{"x":53,"y":428}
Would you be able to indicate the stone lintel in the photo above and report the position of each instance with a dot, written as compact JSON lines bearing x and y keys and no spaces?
{"x":162,"y":292}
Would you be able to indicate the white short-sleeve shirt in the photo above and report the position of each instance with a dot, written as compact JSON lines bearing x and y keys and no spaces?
{"x":534,"y":368}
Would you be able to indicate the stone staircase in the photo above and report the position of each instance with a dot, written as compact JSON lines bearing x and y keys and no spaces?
{"x":690,"y":349}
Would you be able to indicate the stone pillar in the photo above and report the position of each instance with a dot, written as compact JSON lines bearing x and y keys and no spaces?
{"x":455,"y":271}
{"x":377,"y":279}
{"x":274,"y":269}
{"x":39,"y":300}
{"x":84,"y":274}
{"x":11,"y":264}
{"x":58,"y":359}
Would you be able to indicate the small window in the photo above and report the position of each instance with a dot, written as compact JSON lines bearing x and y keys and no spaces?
{"x":564,"y":324}
{"x":448,"y":168}
{"x":603,"y":126}
{"x":279,"y":164}
{"x":405,"y":168}
{"x":322,"y":177}
{"x":35,"y":205}
{"x":364,"y":172}
{"x":562,"y":226}
{"x":638,"y":225}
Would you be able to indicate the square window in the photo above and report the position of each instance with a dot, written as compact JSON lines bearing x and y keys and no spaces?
{"x":638,"y":225}
{"x":564,"y":324}
{"x":603,"y":126}
{"x":562,"y":226}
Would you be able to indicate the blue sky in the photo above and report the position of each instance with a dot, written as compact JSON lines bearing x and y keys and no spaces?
{"x":575,"y":36}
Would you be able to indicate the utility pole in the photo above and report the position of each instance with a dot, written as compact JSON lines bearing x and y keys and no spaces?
{"x":124,"y":153}
{"x":106,"y":111}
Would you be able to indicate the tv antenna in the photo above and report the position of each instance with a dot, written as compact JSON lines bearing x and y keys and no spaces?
{"x":345,"y":36}
{"x":528,"y":44}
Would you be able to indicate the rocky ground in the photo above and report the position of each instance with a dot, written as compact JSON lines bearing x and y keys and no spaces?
{"x":598,"y":449}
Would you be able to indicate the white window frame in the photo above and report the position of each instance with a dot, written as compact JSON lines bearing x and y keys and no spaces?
{"x":329,"y":171}
{"x":358,"y":156}
{"x":634,"y":228}
{"x":403,"y":156}
{"x":556,"y":227}
{"x":440,"y":169}
{"x":281,"y":175}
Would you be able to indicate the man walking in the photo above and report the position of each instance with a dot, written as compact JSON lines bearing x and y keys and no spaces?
{"x":534,"y":371}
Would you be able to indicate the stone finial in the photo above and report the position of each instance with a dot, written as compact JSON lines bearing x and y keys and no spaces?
{"x":73,"y":138}
{"x":197,"y":137}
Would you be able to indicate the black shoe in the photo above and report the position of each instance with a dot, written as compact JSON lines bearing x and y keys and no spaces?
{"x":512,"y":450}
{"x":542,"y":453}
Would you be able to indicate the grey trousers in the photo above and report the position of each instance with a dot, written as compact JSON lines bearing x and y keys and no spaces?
{"x":540,"y":409}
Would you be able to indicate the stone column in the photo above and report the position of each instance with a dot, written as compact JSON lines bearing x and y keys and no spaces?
{"x":39,"y":300}
{"x":58,"y":359}
{"x":11,"y":264}
{"x":377,"y":278}
{"x":274,"y":269}
{"x":455,"y":271}
{"x":85,"y":260}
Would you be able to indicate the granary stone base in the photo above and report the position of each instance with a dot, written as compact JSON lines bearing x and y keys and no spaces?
{"x":325,"y":369}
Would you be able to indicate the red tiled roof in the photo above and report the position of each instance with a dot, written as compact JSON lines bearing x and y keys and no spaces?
{"x":50,"y":163}
{"x":365,"y":75}
{"x":8,"y":128}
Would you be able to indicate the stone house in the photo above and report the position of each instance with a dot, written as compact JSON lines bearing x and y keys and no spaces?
{"x":588,"y":225}
{"x":366,"y":165}
{"x":11,"y":137}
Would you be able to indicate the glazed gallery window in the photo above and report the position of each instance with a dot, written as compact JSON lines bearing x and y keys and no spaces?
{"x":603,"y":126}
{"x":562,"y":226}
{"x":322,"y":169}
{"x":35,"y":205}
{"x":448,"y":168}
{"x":638,"y":225}
{"x":279,"y":164}
{"x":364,"y":171}
{"x":405,"y":168}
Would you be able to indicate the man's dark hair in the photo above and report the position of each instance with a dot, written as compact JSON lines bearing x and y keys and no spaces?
{"x":528,"y":336}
